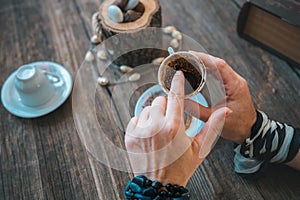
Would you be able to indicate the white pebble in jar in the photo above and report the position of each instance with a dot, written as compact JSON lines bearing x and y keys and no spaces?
{"x":115,"y":13}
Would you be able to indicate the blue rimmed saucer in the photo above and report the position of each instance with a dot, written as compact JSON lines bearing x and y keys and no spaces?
{"x":147,"y":97}
{"x":12,"y":102}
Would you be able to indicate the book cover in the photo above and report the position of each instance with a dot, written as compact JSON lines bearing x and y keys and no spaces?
{"x":273,"y":25}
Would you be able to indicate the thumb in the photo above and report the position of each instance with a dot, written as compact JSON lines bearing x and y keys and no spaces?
{"x":208,"y":135}
{"x":197,"y":110}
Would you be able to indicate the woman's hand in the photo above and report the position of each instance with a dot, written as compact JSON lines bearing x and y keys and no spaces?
{"x":157,"y":144}
{"x":238,"y":125}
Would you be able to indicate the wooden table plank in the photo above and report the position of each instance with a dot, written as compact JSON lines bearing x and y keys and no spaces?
{"x":45,"y":158}
{"x":42,"y":158}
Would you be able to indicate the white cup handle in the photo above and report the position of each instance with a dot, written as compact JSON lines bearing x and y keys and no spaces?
{"x":171,"y":50}
{"x":54,"y":77}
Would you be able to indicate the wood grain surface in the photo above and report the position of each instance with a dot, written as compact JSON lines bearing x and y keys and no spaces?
{"x":46,"y":158}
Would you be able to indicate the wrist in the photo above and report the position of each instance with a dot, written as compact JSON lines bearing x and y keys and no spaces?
{"x":271,"y":141}
{"x":250,"y":127}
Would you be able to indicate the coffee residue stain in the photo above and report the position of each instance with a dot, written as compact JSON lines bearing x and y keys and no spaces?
{"x":191,"y":74}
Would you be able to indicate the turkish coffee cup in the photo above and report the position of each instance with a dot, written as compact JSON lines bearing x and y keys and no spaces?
{"x":192,"y":67}
{"x":34,"y":85}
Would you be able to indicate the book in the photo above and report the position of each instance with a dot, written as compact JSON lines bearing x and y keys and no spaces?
{"x":273,"y":25}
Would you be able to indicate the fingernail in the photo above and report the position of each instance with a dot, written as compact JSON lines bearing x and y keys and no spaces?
{"x":228,"y":112}
{"x":178,"y":73}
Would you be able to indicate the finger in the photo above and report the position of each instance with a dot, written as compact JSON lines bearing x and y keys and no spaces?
{"x":227,"y":73}
{"x":132,"y":124}
{"x":144,"y":116}
{"x":206,"y":139}
{"x":208,"y":60}
{"x":176,"y":96}
{"x":159,"y":105}
{"x":196,"y":110}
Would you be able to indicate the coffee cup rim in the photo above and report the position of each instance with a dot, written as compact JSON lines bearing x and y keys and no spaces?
{"x":184,"y":54}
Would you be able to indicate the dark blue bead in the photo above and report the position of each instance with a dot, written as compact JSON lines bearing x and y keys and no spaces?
{"x":143,"y":177}
{"x":150,"y":192}
{"x":169,"y":194}
{"x":156,"y":184}
{"x":158,"y":198}
{"x":139,"y":180}
{"x":180,"y":198}
{"x":176,"y":188}
{"x":135,"y":187}
{"x":163,"y":193}
{"x":142,"y":197}
{"x":182,"y":190}
{"x":148,"y":182}
{"x":172,"y":190}
{"x":169,"y":186}
{"x":177,"y":194}
{"x":185,"y":196}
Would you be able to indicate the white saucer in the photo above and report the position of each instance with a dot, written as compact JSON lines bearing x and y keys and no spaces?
{"x":146,"y":98}
{"x":11,"y":100}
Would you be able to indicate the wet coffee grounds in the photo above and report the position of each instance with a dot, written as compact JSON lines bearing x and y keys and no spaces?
{"x":191,"y":74}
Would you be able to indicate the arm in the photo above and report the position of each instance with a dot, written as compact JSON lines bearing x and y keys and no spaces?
{"x":247,"y":127}
{"x":157,"y":144}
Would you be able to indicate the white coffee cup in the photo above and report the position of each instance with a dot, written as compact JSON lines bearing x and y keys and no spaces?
{"x":34,"y":85}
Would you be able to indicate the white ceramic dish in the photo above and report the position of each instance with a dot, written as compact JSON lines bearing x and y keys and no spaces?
{"x":146,"y":98}
{"x":12,"y":102}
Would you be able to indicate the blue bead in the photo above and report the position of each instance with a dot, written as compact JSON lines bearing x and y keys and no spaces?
{"x":143,"y":177}
{"x":139,"y":180}
{"x":176,"y":188}
{"x":180,"y":198}
{"x":177,"y":194}
{"x":163,"y":193}
{"x":156,"y":184}
{"x":135,"y":187}
{"x":182,"y":190}
{"x":142,"y":197}
{"x":128,"y":194}
{"x":185,"y":196}
{"x":169,"y":187}
{"x":127,"y":186}
{"x":150,"y":192}
{"x":148,"y":182}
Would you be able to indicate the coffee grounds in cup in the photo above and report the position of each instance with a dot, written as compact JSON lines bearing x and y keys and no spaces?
{"x":191,"y":74}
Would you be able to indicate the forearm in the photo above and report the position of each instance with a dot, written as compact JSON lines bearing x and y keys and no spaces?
{"x":295,"y":162}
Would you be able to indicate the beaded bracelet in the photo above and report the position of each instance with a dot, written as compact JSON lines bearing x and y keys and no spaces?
{"x":140,"y":187}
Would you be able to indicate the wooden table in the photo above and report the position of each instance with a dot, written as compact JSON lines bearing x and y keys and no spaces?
{"x":45,"y":157}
